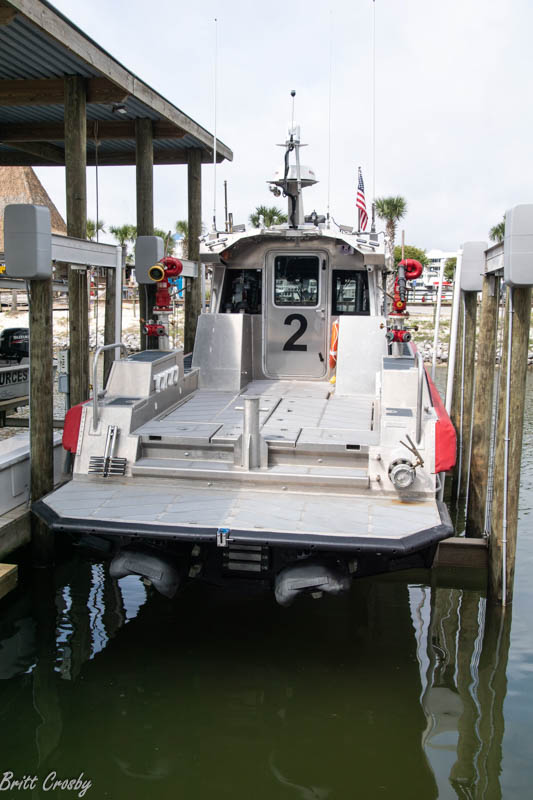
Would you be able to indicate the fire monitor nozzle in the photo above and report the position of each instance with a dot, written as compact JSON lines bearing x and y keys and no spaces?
{"x":157,"y":272}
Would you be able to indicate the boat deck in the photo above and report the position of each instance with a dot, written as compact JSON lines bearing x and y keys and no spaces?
{"x":178,"y":511}
{"x":185,"y":485}
{"x":292,"y":412}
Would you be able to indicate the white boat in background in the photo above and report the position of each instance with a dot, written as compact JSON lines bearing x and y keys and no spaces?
{"x":14,"y":363}
{"x":302,"y":446}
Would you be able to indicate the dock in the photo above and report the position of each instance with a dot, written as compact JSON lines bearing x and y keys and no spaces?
{"x":8,"y":578}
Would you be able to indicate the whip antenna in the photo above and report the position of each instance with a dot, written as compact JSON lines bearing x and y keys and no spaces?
{"x":215,"y":131}
{"x":329,"y":113}
{"x":293,"y":95}
{"x":373,"y":101}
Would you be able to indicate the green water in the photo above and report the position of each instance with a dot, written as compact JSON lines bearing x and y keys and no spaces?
{"x":405,"y":688}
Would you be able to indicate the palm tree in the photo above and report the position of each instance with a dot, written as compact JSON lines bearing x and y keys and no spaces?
{"x":182,"y":226}
{"x":170,"y":244}
{"x":270,"y":214}
{"x":93,"y":229}
{"x":124,"y":234}
{"x":391,"y":210}
{"x":497,"y":232}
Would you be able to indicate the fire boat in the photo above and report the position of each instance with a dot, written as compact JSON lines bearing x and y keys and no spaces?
{"x":301,"y":447}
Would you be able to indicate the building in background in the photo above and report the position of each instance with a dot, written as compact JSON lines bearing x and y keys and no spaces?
{"x":21,"y":185}
{"x":430,"y":275}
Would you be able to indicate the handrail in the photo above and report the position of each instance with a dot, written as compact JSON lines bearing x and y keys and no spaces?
{"x":420,"y":395}
{"x":99,"y":350}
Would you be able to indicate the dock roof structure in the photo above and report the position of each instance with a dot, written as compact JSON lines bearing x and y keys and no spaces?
{"x":40,"y":47}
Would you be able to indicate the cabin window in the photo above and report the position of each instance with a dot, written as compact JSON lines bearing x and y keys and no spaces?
{"x":296,"y":280}
{"x":242,"y":291}
{"x":350,"y":292}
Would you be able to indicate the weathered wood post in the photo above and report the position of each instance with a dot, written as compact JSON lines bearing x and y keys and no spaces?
{"x":193,"y":289}
{"x":464,"y":389}
{"x":76,"y":190}
{"x":28,"y":254}
{"x":113,"y":284}
{"x":144,"y":160}
{"x":41,"y":413}
{"x":518,"y":276}
{"x":513,"y":374}
{"x":483,"y":409}
{"x":472,"y":269}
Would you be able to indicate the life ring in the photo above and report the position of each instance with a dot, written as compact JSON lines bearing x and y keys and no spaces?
{"x":334,"y":344}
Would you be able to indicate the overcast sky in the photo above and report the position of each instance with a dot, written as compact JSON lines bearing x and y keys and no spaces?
{"x":453,"y":92}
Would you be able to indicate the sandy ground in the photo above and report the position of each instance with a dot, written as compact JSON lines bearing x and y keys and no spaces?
{"x":130,"y":324}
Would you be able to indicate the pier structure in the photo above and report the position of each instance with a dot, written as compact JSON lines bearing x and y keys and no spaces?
{"x":77,"y":106}
{"x":488,"y":403}
{"x":73,"y":105}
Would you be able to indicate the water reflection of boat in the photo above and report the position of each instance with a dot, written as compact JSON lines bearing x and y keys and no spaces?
{"x":253,"y":700}
{"x":255,"y":464}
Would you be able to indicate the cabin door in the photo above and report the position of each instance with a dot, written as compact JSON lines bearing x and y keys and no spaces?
{"x":295,"y":340}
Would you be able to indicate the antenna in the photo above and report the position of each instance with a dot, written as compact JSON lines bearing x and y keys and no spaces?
{"x":215,"y":132}
{"x":329,"y":114}
{"x":226,"y":206}
{"x":373,"y":101}
{"x":293,"y":95}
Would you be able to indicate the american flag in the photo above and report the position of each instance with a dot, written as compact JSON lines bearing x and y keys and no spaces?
{"x":360,"y":201}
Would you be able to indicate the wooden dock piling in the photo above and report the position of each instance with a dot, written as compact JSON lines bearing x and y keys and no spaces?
{"x":41,"y":413}
{"x":465,"y":365}
{"x":113,"y":284}
{"x":76,"y":192}
{"x":144,"y":160}
{"x":193,"y":288}
{"x":504,"y":529}
{"x":483,"y":407}
{"x":8,"y":578}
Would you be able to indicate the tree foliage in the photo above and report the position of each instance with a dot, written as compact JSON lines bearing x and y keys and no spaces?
{"x":449,"y":268}
{"x":391,"y":210}
{"x":410,"y":252}
{"x":124,"y":233}
{"x":182,"y":226}
{"x":170,"y":244}
{"x":271,"y":215}
{"x":497,"y":232}
{"x":93,"y":228}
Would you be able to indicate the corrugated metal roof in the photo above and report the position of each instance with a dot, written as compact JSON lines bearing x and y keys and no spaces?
{"x":29,"y":51}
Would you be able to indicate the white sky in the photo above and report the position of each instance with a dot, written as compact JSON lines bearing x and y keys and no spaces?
{"x":454,"y":112}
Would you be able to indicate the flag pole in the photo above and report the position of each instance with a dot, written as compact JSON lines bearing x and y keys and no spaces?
{"x":358,"y":210}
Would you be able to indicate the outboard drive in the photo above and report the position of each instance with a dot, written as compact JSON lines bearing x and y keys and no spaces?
{"x":15,"y":344}
{"x":310,"y":577}
{"x":158,"y":569}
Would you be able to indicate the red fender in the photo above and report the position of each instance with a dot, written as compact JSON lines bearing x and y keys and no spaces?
{"x":445,"y":438}
{"x":71,"y":428}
